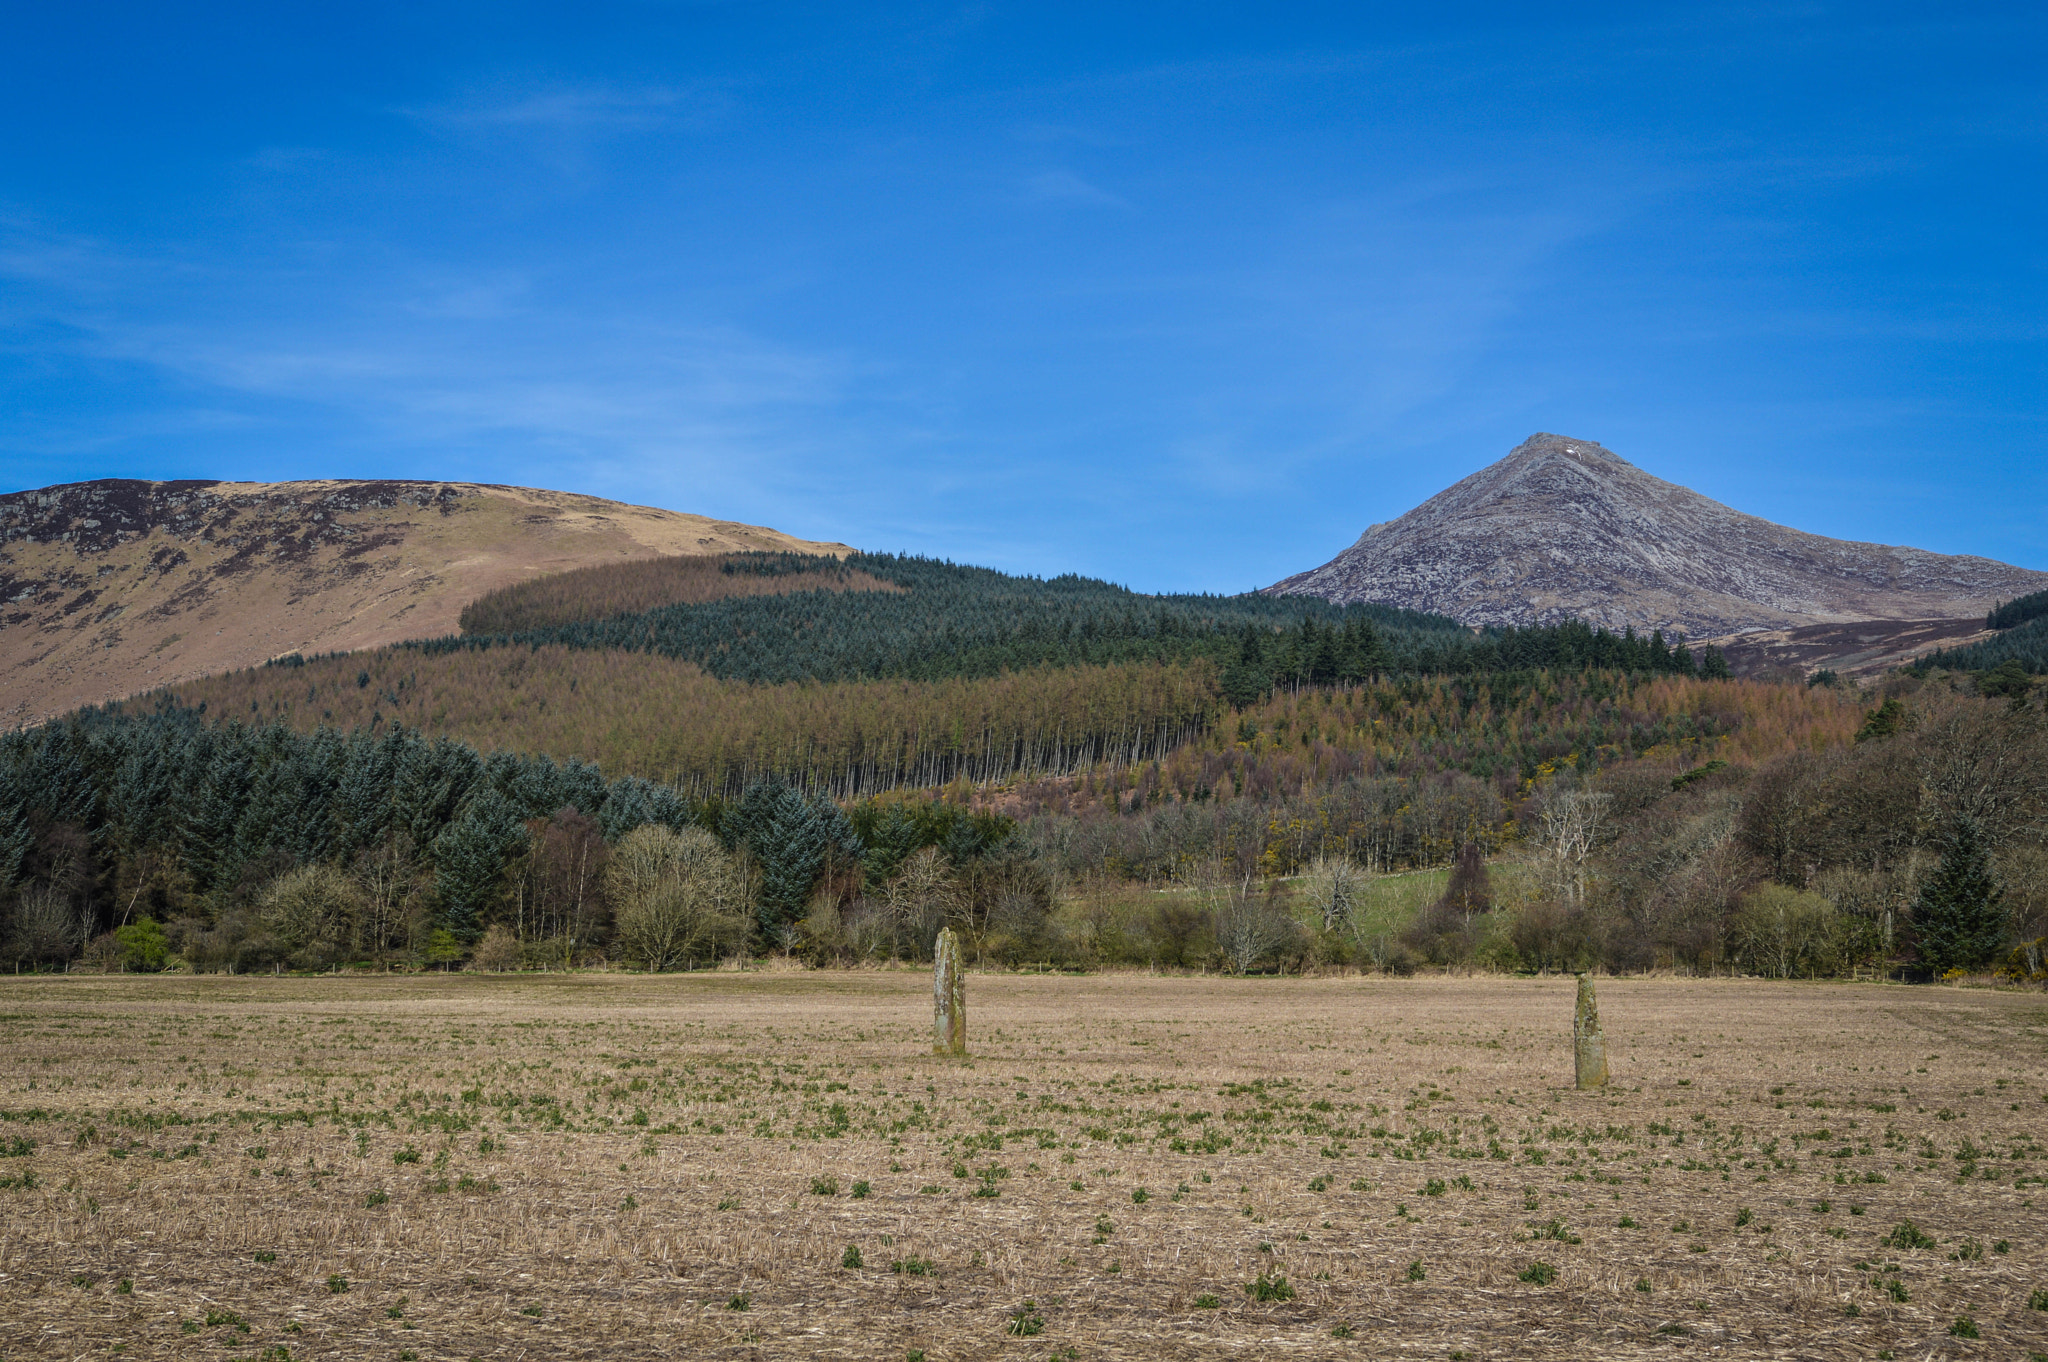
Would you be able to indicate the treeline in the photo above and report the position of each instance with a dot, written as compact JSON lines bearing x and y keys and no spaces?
{"x":1916,"y":850}
{"x":1312,"y":654}
{"x":950,"y":621}
{"x":1401,"y":776}
{"x":667,"y":721}
{"x":1634,"y":823}
{"x":2011,"y":614}
{"x":609,"y":589}
{"x":946,"y":621}
{"x":235,"y":847}
{"x":2022,"y":649}
{"x":1918,"y":847}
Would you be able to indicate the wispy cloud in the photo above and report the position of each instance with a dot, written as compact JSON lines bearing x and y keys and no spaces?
{"x":1064,"y":186}
{"x":454,"y":366}
{"x":573,"y":108}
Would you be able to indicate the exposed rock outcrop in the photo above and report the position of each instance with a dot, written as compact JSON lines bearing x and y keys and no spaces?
{"x":1564,"y":529}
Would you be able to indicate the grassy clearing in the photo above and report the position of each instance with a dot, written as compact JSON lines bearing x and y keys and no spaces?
{"x":768,"y":1165}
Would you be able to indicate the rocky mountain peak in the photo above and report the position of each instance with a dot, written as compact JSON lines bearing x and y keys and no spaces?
{"x":1564,"y":528}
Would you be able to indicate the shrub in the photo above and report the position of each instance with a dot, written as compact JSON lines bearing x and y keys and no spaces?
{"x":1907,"y":1235}
{"x":315,"y":912}
{"x":499,"y":951}
{"x":1269,"y":1286}
{"x":680,"y":897}
{"x":143,"y":945}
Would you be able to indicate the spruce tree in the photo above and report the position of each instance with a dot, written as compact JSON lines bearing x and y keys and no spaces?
{"x":16,"y":839}
{"x":470,"y":857}
{"x":790,"y":837}
{"x":1960,"y":914}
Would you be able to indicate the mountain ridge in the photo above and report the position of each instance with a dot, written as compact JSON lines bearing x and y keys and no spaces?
{"x":113,"y":586}
{"x":1563,"y":528}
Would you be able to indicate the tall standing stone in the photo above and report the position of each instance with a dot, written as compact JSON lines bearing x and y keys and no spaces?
{"x":949,"y":997}
{"x":1589,"y":1046}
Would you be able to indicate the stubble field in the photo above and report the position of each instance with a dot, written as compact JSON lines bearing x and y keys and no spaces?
{"x":768,"y":1165}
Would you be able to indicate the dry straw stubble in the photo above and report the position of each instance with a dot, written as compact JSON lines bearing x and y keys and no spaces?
{"x":609,"y":1166}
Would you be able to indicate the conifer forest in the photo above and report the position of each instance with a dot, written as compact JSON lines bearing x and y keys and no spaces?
{"x":669,"y":764}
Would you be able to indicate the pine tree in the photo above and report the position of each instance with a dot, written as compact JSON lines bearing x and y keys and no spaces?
{"x":1960,"y":915}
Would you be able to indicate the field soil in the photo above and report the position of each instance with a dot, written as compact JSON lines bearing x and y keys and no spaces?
{"x":756,"y":1165}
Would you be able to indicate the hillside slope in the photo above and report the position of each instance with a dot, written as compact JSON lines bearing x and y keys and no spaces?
{"x":1564,"y":529}
{"x":110,"y":587}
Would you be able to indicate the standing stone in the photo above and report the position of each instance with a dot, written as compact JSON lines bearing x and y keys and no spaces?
{"x":949,"y":997}
{"x":1589,"y":1047}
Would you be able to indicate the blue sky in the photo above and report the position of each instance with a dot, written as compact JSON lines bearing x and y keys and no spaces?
{"x":1184,"y":296}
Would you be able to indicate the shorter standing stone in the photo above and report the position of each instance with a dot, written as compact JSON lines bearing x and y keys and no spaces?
{"x":1589,"y":1046}
{"x":949,"y":997}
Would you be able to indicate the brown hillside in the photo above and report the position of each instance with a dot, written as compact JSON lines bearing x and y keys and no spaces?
{"x":111,"y":587}
{"x":1862,"y":649}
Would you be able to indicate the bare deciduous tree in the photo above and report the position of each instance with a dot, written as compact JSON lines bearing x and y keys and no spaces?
{"x":1332,"y":888}
{"x":392,"y":896}
{"x":678,"y":895}
{"x":1571,"y":824}
{"x":923,"y":896}
{"x":1248,"y":928}
{"x":1985,"y":765}
{"x":46,"y":927}
{"x":316,"y":911}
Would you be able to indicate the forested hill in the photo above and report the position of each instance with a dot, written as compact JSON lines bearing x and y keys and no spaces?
{"x":2025,"y":646}
{"x":947,"y":620}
